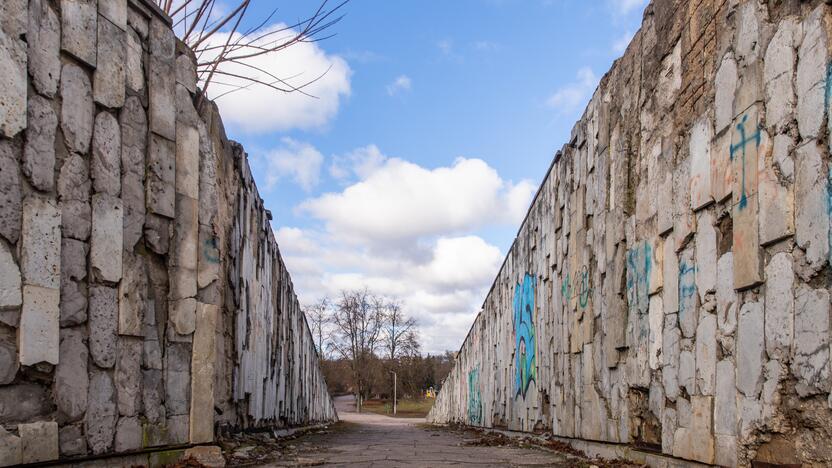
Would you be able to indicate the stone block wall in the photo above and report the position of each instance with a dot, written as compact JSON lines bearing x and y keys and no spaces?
{"x":143,"y":299}
{"x":670,"y":285}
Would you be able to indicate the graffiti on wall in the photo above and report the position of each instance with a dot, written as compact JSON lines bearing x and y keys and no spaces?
{"x":525,"y":348}
{"x":638,"y":276}
{"x":744,"y":139}
{"x":474,"y":397}
{"x":578,"y":283}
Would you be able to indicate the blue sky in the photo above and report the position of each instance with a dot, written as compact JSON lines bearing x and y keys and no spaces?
{"x":436,"y":122}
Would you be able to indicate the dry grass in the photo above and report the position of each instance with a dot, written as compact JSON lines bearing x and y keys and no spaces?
{"x":418,"y":408}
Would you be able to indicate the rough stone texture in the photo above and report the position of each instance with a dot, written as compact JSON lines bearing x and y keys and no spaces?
{"x":78,"y":29}
{"x":696,"y":441}
{"x":10,"y":194}
{"x":115,"y":11}
{"x":750,"y":349}
{"x":811,"y":211}
{"x":705,"y":256}
{"x":38,"y":338}
{"x":133,"y":147}
{"x":700,"y":164}
{"x":100,"y":423}
{"x":177,"y":378}
{"x":106,"y":238}
{"x":132,"y":291}
{"x":779,"y":306}
{"x":103,"y":317}
{"x":811,"y":76}
{"x":810,"y":364}
{"x":161,"y":176}
{"x":74,"y":192}
{"x":40,"y":254}
{"x":39,"y":151}
{"x":73,"y":286}
{"x":8,"y":355}
{"x":106,"y":155}
{"x":109,"y":77}
{"x":13,"y":61}
{"x":162,"y":80}
{"x":10,"y":284}
{"x":128,"y":434}
{"x":77,"y":107}
{"x":202,"y":375}
{"x":776,"y":196}
{"x":71,"y":378}
{"x":38,"y":441}
{"x":186,"y":72}
{"x":128,"y":376}
{"x":44,"y":42}
{"x":72,"y":441}
{"x":187,"y":161}
{"x":10,"y":449}
{"x":24,"y":402}
{"x":134,"y":62}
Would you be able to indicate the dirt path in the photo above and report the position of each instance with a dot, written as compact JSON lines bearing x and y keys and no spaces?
{"x":380,"y":441}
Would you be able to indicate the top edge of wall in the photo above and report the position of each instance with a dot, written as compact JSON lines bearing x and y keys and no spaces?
{"x":556,"y":157}
{"x":150,"y":8}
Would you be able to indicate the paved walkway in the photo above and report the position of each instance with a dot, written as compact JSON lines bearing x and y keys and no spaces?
{"x":380,"y":441}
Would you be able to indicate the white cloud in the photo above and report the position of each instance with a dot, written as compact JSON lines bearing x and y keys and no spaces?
{"x":360,"y":162}
{"x":297,"y":160}
{"x":624,"y":7}
{"x":400,"y":201}
{"x":447,"y":286}
{"x":572,"y":96}
{"x":402,"y":83}
{"x":620,"y":44}
{"x":408,"y":232}
{"x":258,"y":108}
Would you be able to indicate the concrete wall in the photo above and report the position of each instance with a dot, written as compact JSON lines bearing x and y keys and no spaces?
{"x":669,"y":287}
{"x":143,"y":299}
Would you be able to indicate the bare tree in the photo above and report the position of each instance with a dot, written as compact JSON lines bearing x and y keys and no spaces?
{"x":357,"y":319}
{"x":318,"y":315}
{"x":197,"y":22}
{"x":398,"y":333}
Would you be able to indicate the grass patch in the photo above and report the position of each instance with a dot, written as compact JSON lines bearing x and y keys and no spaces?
{"x":417,"y":408}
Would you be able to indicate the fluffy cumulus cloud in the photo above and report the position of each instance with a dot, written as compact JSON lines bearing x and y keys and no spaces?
{"x":574,"y":95}
{"x":446,"y":285}
{"x":257,"y":108}
{"x":400,"y":201}
{"x":295,"y":160}
{"x":409,"y":232}
{"x":401,"y":84}
{"x":357,"y":163}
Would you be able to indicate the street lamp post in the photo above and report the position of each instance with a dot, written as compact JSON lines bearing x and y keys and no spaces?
{"x":394,"y":392}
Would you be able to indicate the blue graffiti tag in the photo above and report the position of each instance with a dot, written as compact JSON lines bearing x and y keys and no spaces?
{"x":210,"y":250}
{"x":638,"y":276}
{"x":687,"y":284}
{"x":474,"y":397}
{"x":584,"y":295}
{"x":525,"y":349}
{"x":755,"y":137}
{"x":579,"y":280}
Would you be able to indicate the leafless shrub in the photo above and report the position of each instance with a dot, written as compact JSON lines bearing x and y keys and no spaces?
{"x":199,"y":23}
